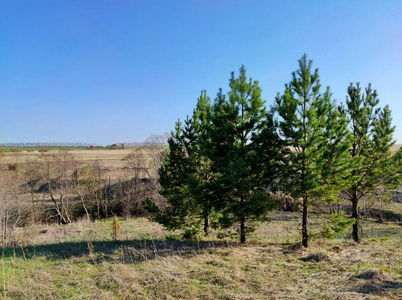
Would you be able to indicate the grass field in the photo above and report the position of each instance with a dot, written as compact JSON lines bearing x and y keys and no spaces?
{"x":29,"y":149}
{"x":111,"y":158}
{"x":82,"y":261}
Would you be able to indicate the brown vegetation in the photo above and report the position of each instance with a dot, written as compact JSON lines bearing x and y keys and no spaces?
{"x":81,"y":260}
{"x":63,"y":186}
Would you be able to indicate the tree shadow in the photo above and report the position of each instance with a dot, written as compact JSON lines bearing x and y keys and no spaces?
{"x":385,"y":215}
{"x":393,"y":287}
{"x":132,"y":251}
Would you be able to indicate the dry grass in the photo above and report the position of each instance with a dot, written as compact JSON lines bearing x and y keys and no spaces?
{"x":110,"y":158}
{"x":396,"y":147}
{"x":81,"y":261}
{"x":373,"y":275}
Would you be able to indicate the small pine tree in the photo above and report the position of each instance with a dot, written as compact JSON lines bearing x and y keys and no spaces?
{"x":116,"y":228}
{"x":337,"y":224}
{"x":184,"y":176}
{"x":173,"y":177}
{"x":371,"y":165}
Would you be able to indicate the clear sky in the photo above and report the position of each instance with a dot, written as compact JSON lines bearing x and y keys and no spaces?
{"x":117,"y":71}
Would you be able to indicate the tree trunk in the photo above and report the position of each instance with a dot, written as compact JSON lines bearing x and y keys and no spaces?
{"x":206,"y":225}
{"x":304,"y":223}
{"x":330,"y":208}
{"x":242,"y":224}
{"x":97,"y":205}
{"x":381,"y":213}
{"x":365,"y":210}
{"x":242,"y":229}
{"x":355,"y":215}
{"x":83,"y":204}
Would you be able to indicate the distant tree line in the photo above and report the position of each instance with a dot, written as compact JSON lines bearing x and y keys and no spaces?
{"x":227,"y":162}
{"x":154,"y":139}
{"x":47,"y":145}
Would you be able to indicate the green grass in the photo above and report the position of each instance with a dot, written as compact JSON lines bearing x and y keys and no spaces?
{"x":82,"y":261}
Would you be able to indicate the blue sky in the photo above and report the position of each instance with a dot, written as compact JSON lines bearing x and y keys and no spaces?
{"x":118,"y":71}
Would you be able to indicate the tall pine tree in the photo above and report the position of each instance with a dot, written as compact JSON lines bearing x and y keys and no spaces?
{"x":233,"y":149}
{"x":313,"y":131}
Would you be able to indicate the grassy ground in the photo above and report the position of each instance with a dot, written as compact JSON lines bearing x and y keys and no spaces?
{"x":112,"y":160}
{"x":30,"y":149}
{"x":82,"y":261}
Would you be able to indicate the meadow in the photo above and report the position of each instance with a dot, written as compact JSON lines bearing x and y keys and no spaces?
{"x":82,"y":259}
{"x":112,"y":157}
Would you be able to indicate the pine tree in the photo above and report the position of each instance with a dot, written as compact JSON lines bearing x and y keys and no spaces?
{"x":270,"y":149}
{"x":315,"y":136}
{"x":371,"y":163}
{"x":184,"y":176}
{"x":237,"y":182}
{"x":173,"y":175}
{"x":196,"y":138}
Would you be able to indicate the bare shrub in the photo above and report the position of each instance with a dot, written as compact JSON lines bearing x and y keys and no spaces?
{"x":288,"y":203}
{"x":10,"y":207}
{"x":136,"y":166}
{"x":57,"y":177}
{"x":12,"y":167}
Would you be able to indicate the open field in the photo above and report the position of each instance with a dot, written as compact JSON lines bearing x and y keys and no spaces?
{"x":84,"y":155}
{"x":113,"y":158}
{"x":109,"y":157}
{"x":30,"y":149}
{"x":82,"y":261}
{"x":396,"y":147}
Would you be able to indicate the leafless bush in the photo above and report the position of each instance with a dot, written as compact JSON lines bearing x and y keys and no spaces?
{"x":10,"y":208}
{"x":57,"y":171}
{"x":55,"y":187}
{"x":288,"y":203}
